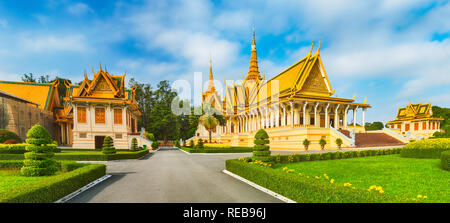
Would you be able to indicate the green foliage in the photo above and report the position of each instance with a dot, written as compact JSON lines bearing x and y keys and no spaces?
{"x":38,"y":160}
{"x":209,"y":122}
{"x":302,"y":189}
{"x":339,"y":142}
{"x":150,"y":136}
{"x":306,"y":144}
{"x":334,"y":155}
{"x":177,"y":144}
{"x":322,"y":143}
{"x":108,"y":146}
{"x":155,"y":145}
{"x":52,"y":188}
{"x":219,"y":150}
{"x":72,"y":154}
{"x":8,"y":135}
{"x":445,"y":160}
{"x":374,"y":126}
{"x":191,"y":144}
{"x":426,"y":148}
{"x":134,"y":144}
{"x":445,"y":114}
{"x":199,"y":144}
{"x":261,"y":148}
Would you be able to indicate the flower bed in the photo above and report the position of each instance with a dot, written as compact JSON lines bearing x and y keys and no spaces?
{"x":426,"y":148}
{"x":304,"y":189}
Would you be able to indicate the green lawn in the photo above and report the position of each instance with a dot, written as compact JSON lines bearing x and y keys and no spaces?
{"x":11,"y":178}
{"x":398,"y":176}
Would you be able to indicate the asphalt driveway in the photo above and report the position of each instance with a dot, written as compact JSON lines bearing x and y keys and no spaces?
{"x":172,"y":176}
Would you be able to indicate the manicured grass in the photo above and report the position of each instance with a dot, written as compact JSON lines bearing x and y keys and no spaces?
{"x":15,"y":188}
{"x":219,"y":150}
{"x":86,"y":155}
{"x":398,"y":176}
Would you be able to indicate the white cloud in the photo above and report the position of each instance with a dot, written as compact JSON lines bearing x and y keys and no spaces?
{"x":50,"y":43}
{"x":79,"y":9}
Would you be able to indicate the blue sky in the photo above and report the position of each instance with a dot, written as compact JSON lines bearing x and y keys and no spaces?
{"x":391,"y":51}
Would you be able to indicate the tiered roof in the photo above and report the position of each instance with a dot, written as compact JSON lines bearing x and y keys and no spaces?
{"x":415,"y":112}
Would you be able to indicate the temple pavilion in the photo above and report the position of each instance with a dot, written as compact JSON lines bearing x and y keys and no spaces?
{"x":98,"y":108}
{"x":295,"y":104}
{"x":415,"y":121}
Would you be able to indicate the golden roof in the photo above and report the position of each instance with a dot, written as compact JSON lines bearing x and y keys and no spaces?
{"x":253,"y":72}
{"x":415,"y":112}
{"x":43,"y":94}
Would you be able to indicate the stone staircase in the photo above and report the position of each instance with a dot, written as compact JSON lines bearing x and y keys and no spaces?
{"x":375,"y":139}
{"x":345,"y":132}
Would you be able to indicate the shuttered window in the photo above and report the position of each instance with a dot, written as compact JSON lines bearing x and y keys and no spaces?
{"x":100,"y":115}
{"x":81,"y":114}
{"x":117,"y":116}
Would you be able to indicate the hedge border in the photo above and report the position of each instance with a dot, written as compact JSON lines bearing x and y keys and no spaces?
{"x":305,"y":190}
{"x":85,"y":157}
{"x":426,"y":148}
{"x":54,"y":187}
{"x":219,"y":150}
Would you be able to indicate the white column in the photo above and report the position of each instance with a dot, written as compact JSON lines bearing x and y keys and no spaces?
{"x":336,"y":117}
{"x":327,"y":124}
{"x":345,"y":116}
{"x":292,"y":113}
{"x":315,"y":114}
{"x":363,"y":116}
{"x":354,"y":115}
{"x":304,"y":113}
{"x":277,"y":116}
{"x":266,"y":121}
{"x":261,"y":118}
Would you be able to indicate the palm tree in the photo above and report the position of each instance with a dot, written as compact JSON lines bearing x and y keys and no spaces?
{"x":210,"y":123}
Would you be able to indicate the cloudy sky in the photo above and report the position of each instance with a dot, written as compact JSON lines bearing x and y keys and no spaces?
{"x":391,"y":51}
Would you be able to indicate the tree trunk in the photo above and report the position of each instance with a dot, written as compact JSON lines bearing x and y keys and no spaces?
{"x":209,"y":136}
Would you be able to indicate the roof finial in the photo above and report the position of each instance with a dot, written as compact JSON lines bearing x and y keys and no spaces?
{"x":100,"y":66}
{"x":253,"y":42}
{"x":318,"y":49}
{"x":106,"y":70}
{"x":312,"y":45}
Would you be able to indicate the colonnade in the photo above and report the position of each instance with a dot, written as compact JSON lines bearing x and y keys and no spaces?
{"x":293,"y":114}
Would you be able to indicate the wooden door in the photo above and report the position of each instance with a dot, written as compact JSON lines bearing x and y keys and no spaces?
{"x":99,"y":142}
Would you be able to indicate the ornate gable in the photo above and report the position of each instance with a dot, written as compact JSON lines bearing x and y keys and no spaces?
{"x":315,"y":83}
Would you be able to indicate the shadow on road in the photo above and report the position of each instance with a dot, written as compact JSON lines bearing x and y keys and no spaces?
{"x":88,"y":195}
{"x":146,"y":157}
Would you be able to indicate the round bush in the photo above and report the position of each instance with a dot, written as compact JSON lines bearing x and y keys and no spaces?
{"x":8,"y":135}
{"x":445,"y":160}
{"x":134,"y":144}
{"x":261,"y":151}
{"x":425,"y":148}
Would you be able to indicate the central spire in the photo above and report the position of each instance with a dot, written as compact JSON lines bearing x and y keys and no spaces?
{"x":253,"y":72}
{"x":211,"y":87}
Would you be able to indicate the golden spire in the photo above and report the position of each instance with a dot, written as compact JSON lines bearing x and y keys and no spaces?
{"x":211,"y":87}
{"x":253,"y":72}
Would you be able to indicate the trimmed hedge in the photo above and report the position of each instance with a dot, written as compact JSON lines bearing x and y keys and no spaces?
{"x":219,"y":150}
{"x":445,"y":160}
{"x":52,"y":188}
{"x":333,"y":155}
{"x":426,"y":148}
{"x":6,"y":135}
{"x":84,"y":157}
{"x":305,"y":190}
{"x":18,"y":148}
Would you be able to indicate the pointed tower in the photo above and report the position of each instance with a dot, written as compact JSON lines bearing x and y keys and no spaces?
{"x":253,"y":72}
{"x":211,"y":87}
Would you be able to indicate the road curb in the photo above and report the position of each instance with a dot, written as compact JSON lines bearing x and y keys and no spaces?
{"x":83,"y":189}
{"x":263,"y":189}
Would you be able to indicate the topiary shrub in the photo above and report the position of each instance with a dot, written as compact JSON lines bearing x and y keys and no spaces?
{"x":8,"y":135}
{"x":38,"y":160}
{"x":134,"y":144}
{"x":177,"y":143}
{"x":108,"y":146}
{"x":261,"y":151}
{"x":339,"y":142}
{"x":184,"y":143}
{"x":191,"y":144}
{"x":322,"y":143}
{"x":445,"y":160}
{"x":200,"y":144}
{"x":306,"y":143}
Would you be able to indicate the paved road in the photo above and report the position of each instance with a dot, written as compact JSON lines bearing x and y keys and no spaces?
{"x":172,"y":176}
